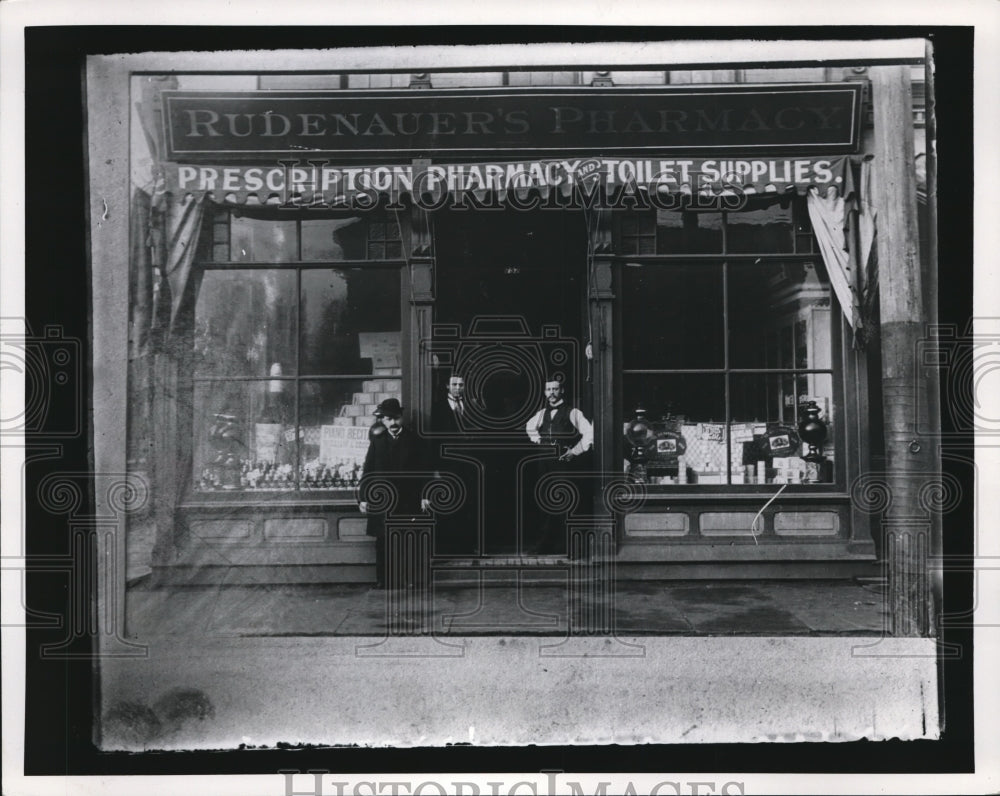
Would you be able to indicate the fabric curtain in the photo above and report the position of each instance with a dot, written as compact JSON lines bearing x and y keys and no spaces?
{"x":866,"y":213}
{"x":866,"y":251}
{"x":176,"y":227}
{"x":829,"y":212}
{"x":165,"y":237}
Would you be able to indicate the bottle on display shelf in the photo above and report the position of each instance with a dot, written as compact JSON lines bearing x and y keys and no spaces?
{"x":273,"y":420}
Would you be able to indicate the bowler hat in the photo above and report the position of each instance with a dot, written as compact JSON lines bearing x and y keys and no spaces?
{"x":390,"y":408}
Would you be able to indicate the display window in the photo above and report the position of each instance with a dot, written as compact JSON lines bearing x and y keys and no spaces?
{"x":295,"y":340}
{"x":725,"y":358}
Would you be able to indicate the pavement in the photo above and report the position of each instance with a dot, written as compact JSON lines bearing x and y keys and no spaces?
{"x":528,"y":662}
{"x":696,"y":608}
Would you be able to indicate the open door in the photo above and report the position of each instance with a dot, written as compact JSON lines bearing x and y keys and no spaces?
{"x":509,"y":313}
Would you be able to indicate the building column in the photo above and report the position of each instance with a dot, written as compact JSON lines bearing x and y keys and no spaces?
{"x":904,"y":385}
{"x":420,"y":300}
{"x":600,"y":297}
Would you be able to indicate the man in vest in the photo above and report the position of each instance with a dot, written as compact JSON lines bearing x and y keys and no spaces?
{"x":566,"y":430}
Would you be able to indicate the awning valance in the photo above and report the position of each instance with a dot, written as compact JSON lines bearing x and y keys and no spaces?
{"x":832,"y":186}
{"x":663,"y":181}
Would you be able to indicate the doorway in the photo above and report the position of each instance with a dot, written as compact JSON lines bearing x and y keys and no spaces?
{"x":510,"y":311}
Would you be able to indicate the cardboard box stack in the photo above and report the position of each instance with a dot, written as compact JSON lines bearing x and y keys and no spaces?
{"x":361,"y":411}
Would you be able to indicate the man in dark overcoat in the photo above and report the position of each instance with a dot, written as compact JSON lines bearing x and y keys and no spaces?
{"x":399,"y":457}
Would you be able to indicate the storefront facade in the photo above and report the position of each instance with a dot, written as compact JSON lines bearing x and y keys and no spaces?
{"x":690,"y":252}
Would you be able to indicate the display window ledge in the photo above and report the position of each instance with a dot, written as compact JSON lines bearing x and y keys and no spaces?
{"x":749,"y":493}
{"x":340,"y":499}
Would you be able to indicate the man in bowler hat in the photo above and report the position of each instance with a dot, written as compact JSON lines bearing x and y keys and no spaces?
{"x":397,"y":455}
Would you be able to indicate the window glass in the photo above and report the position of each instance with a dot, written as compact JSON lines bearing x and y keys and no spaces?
{"x":262,"y":240}
{"x":244,"y":436}
{"x":384,"y":240}
{"x":255,"y":334}
{"x":333,"y":239}
{"x":245,"y":323}
{"x":637,"y":233}
{"x":687,"y":415}
{"x":336,"y":416}
{"x":779,"y":315}
{"x":465,"y":79}
{"x":350,"y":320}
{"x":766,"y":412}
{"x":688,"y":232}
{"x":674,"y":316}
{"x":219,"y":233}
{"x":766,"y":229}
{"x":805,"y":243}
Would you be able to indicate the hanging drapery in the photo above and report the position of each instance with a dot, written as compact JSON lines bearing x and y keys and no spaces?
{"x":866,"y":253}
{"x":165,"y":233}
{"x":828,"y":212}
{"x":829,"y":183}
{"x":176,"y":226}
{"x":140,"y":276}
{"x":866,"y":214}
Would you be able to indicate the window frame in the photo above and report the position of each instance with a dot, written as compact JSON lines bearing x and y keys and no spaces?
{"x":190,"y":382}
{"x":726,"y":260}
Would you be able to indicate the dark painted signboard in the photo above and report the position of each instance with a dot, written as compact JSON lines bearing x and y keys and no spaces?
{"x":694,"y":120}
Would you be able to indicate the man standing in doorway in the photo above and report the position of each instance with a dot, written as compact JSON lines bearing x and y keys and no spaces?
{"x":398,"y":456}
{"x":565,"y":429}
{"x":457,"y":533}
{"x":448,"y":414}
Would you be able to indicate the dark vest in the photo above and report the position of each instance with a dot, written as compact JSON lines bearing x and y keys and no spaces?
{"x":558,"y":430}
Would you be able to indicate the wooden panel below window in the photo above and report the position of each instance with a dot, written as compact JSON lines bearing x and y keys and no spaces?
{"x":652,"y":524}
{"x":351,"y":527}
{"x":212,"y":530}
{"x":294,"y":529}
{"x":728,"y":523}
{"x":806,"y":523}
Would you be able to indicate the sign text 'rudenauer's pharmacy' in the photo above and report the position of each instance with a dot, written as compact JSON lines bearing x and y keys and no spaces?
{"x":812,"y":118}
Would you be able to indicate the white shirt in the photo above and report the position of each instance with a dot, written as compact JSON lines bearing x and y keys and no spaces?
{"x":580,"y":423}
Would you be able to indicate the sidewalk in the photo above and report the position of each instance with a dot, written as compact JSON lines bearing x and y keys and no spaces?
{"x":695,"y":608}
